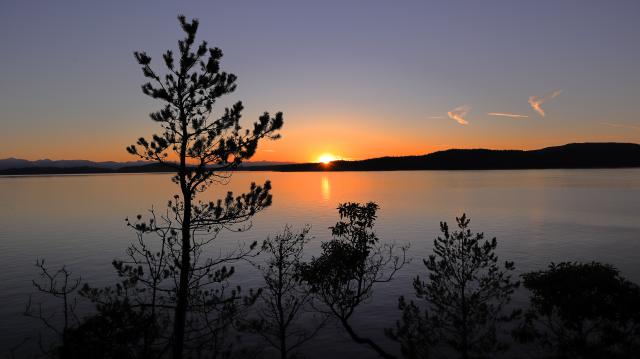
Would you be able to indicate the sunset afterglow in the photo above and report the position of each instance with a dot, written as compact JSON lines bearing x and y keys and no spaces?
{"x":413,"y":91}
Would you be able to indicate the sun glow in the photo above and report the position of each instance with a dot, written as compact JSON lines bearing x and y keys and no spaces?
{"x":327,"y":158}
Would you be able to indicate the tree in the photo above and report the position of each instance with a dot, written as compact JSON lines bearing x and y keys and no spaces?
{"x":285,"y":298}
{"x":582,"y":310}
{"x":61,"y":285}
{"x":344,"y":275}
{"x":199,"y":146}
{"x":464,"y":296}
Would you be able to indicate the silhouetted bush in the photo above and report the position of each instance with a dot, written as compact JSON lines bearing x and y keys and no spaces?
{"x":344,"y":275}
{"x":118,"y":331}
{"x":582,"y":310}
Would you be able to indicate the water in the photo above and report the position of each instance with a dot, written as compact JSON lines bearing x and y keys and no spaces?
{"x":538,"y":216}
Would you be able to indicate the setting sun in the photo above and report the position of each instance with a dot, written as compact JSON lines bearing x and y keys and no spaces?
{"x":327,"y":158}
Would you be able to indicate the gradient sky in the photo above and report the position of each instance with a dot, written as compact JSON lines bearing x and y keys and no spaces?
{"x":356,"y":79}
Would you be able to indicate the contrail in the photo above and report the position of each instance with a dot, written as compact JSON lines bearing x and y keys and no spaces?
{"x":459,"y":113}
{"x":536,"y":102}
{"x":632,"y":127}
{"x":510,"y":115}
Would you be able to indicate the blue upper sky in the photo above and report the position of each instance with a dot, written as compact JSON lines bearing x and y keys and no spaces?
{"x":354,"y":78}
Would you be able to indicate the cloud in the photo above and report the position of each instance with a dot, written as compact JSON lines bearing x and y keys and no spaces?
{"x":510,"y":115}
{"x":437,"y":117}
{"x":620,"y":125}
{"x":536,"y":102}
{"x":458,"y":114}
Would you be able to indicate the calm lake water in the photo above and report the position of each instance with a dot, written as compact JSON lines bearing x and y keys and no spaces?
{"x":538,"y":216}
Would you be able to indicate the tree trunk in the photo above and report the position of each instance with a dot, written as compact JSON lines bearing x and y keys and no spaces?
{"x":183,"y":289}
{"x":283,"y":346}
{"x":281,"y":311}
{"x":465,"y":330}
{"x":185,"y":262}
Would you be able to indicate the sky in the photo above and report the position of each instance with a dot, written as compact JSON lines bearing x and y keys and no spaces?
{"x":354,"y":79}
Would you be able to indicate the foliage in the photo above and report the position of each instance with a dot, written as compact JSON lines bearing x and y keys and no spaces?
{"x":344,"y":275}
{"x":582,"y":310}
{"x":190,"y":89}
{"x":465,"y":297}
{"x":118,"y":330}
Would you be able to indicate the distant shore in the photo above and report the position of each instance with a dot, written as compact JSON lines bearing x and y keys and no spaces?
{"x":570,"y":156}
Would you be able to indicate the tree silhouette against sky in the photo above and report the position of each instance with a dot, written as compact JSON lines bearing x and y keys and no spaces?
{"x":199,"y":145}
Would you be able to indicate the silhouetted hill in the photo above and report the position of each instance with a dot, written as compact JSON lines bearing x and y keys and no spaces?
{"x":574,"y":155}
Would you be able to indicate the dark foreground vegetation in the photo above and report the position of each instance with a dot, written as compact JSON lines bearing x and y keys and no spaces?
{"x":176,"y":297}
{"x":460,"y":308}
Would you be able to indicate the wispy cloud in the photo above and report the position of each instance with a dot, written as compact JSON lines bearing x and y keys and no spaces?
{"x":620,"y":125}
{"x":458,"y":114}
{"x":510,"y":115}
{"x":437,"y":117}
{"x":536,"y":101}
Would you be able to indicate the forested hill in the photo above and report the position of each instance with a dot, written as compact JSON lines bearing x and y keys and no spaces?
{"x":575,"y":155}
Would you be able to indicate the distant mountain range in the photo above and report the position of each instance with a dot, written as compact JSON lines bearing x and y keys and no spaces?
{"x":16,"y":163}
{"x":16,"y":166}
{"x":574,"y":155}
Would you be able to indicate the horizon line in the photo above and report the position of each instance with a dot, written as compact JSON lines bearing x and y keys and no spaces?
{"x":344,"y":160}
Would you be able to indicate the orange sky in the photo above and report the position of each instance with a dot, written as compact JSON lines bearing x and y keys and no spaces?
{"x":347,"y":135}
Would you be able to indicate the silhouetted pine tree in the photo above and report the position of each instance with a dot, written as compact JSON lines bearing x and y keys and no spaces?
{"x":464,"y":298}
{"x":199,"y":146}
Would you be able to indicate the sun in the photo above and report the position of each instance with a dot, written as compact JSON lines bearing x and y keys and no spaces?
{"x":327,"y":158}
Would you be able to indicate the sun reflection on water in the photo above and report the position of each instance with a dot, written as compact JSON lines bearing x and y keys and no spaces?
{"x":326,"y":188}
